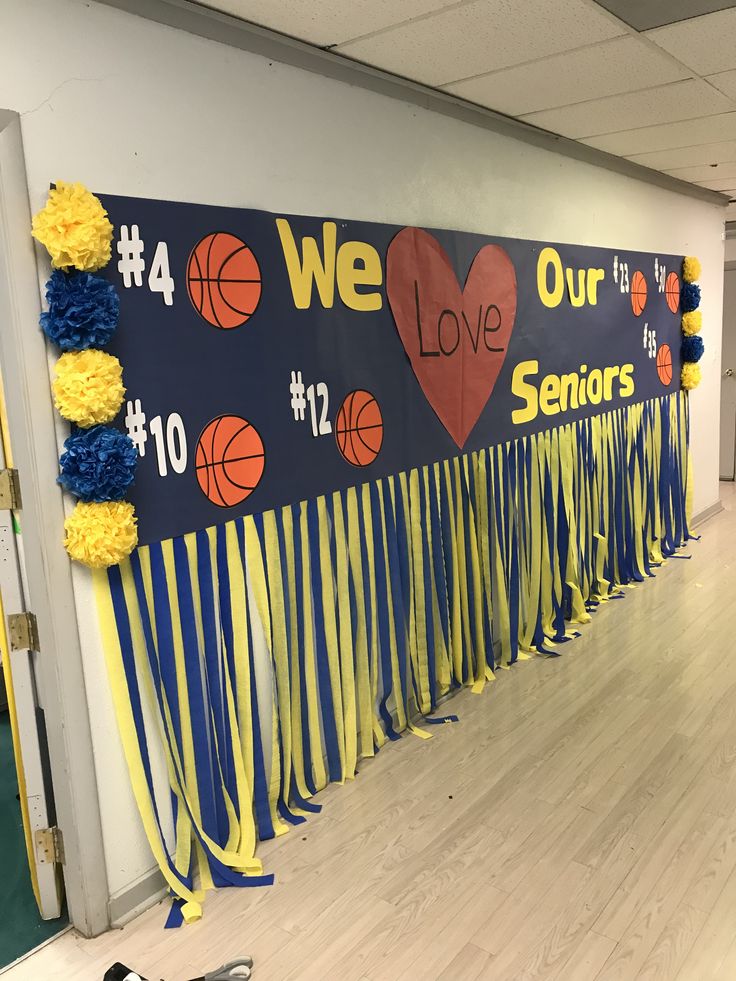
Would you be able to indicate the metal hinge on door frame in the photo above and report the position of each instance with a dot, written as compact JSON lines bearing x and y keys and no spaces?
{"x":49,"y":846}
{"x":23,"y":632}
{"x":10,"y":499}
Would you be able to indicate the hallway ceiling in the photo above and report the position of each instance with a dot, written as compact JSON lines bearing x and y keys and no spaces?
{"x":650,"y":80}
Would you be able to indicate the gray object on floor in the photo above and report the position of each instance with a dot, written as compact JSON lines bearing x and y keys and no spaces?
{"x":237,"y":970}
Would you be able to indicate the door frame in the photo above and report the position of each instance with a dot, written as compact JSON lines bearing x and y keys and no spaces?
{"x":729,"y":266}
{"x":31,"y":420}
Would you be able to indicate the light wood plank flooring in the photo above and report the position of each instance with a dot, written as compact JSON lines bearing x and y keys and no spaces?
{"x":579,"y":824}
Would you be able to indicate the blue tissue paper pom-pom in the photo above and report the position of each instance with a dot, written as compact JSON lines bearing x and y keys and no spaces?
{"x":98,"y":464}
{"x":692,"y":348}
{"x":690,"y":297}
{"x":83,"y":310}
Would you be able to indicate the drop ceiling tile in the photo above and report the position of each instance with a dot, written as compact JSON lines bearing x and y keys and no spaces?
{"x":724,"y":82}
{"x":687,"y":156}
{"x":702,"y":175}
{"x":726,"y":186}
{"x":327,"y":22}
{"x":709,"y":129}
{"x":689,"y":99}
{"x":643,"y":14}
{"x":705,"y":44}
{"x":482,"y":36}
{"x":621,"y":65}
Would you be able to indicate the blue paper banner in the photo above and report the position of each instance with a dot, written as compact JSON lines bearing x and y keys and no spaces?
{"x":271,"y":359}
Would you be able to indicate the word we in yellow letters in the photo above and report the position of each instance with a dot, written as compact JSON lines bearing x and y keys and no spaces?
{"x":353,"y":264}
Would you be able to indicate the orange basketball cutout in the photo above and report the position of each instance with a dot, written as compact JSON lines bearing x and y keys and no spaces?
{"x":672,"y":291}
{"x":229,"y":460}
{"x":359,"y":428}
{"x":638,"y":293}
{"x":223,"y":280}
{"x":664,"y":364}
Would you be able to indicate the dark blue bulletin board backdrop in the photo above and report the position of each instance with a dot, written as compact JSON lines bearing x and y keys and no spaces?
{"x":461,"y":341}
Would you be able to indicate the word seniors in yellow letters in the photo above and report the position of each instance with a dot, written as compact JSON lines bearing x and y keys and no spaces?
{"x":550,"y":393}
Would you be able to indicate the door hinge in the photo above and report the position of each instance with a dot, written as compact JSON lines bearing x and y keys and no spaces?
{"x":9,"y":491}
{"x":23,"y":631}
{"x":49,"y":846}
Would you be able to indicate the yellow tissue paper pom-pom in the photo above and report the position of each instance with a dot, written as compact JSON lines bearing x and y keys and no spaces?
{"x":691,"y":268}
{"x":75,"y":228}
{"x":691,"y":375}
{"x":88,"y":388}
{"x":692,"y":322}
{"x":101,"y":534}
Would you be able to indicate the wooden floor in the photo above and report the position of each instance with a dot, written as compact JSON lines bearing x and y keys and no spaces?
{"x":579,"y":823}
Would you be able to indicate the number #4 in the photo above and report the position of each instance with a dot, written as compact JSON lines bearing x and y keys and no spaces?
{"x":160,"y":279}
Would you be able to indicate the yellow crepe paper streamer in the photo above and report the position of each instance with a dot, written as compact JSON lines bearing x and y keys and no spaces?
{"x":473,"y":537}
{"x":192,"y":910}
{"x":691,"y":375}
{"x":101,"y":534}
{"x":692,"y":322}
{"x":88,"y":387}
{"x":74,"y":228}
{"x":691,"y":268}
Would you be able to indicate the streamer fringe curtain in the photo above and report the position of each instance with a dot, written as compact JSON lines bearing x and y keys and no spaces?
{"x":278,"y":650}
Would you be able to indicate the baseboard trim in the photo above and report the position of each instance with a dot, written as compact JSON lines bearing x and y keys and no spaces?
{"x":138,"y":897}
{"x":709,"y":512}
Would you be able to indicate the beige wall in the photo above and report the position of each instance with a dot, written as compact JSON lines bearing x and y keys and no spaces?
{"x":134,"y":108}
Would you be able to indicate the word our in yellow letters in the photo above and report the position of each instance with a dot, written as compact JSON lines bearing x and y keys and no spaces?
{"x":551,"y":295}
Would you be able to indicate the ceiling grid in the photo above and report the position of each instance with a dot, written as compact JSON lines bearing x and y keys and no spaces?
{"x":653,"y":81}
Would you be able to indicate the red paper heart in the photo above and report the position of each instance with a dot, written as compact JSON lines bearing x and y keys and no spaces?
{"x":456,"y":339}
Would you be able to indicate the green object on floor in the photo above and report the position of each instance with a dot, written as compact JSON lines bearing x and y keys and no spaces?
{"x":21,"y":928}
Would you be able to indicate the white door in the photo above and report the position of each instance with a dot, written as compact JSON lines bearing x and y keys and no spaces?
{"x":728,"y":378}
{"x":29,"y":740}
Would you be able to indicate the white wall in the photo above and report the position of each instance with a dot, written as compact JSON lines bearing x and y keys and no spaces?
{"x":130,"y":107}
